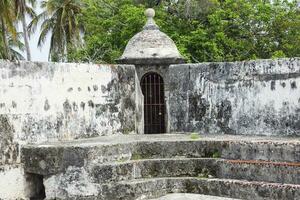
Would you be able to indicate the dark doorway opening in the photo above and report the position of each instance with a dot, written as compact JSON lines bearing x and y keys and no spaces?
{"x":35,"y":186}
{"x":154,"y":103}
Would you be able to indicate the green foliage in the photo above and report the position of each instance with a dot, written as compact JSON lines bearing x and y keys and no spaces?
{"x":12,"y":12}
{"x":14,"y":44}
{"x":7,"y":28}
{"x":204,"y":30}
{"x":278,"y":54}
{"x":108,"y":27}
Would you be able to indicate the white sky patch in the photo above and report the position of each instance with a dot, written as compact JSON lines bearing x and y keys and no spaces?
{"x":37,"y":53}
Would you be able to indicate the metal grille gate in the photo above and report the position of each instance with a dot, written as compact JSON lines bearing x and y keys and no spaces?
{"x":154,"y":103}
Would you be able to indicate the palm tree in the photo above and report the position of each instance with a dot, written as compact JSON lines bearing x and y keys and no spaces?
{"x":22,"y":9}
{"x":7,"y":18}
{"x":59,"y":20}
{"x":14,"y":44}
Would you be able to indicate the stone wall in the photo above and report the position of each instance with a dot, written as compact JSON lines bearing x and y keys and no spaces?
{"x":49,"y":101}
{"x":139,"y":115}
{"x":255,"y":97}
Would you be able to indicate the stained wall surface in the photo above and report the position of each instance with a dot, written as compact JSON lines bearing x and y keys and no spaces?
{"x":259,"y":97}
{"x":42,"y":102}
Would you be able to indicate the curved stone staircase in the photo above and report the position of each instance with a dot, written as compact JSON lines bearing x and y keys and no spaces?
{"x":141,"y":167}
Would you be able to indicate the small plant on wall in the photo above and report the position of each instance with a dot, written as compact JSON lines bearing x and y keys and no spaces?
{"x":195,"y":136}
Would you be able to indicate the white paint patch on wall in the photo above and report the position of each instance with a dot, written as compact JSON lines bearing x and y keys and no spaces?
{"x":29,"y":93}
{"x":12,"y":183}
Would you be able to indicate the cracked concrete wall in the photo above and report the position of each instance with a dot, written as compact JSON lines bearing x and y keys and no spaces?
{"x":259,"y":97}
{"x":50,"y":101}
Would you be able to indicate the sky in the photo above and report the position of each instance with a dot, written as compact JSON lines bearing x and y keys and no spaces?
{"x":38,"y":53}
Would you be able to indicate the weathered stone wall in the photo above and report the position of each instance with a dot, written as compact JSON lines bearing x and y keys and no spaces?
{"x":254,"y":97}
{"x":139,"y":115}
{"x":49,"y":101}
{"x":45,"y":101}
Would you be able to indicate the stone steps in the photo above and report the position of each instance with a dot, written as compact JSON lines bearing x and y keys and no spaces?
{"x":243,"y":179}
{"x":241,"y":189}
{"x":142,"y":167}
{"x":137,"y":169}
{"x":52,"y":158}
{"x":267,"y":150}
{"x":276,"y":172}
{"x":253,"y":170}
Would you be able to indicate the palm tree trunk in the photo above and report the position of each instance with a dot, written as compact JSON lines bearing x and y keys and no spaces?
{"x":5,"y":41}
{"x":26,"y":40}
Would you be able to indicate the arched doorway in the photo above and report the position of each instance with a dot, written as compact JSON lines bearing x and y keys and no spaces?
{"x":152,"y":85}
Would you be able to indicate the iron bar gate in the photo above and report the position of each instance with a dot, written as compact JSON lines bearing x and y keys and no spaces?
{"x":154,"y":103}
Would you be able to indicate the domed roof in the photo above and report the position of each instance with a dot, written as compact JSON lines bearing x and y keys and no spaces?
{"x":151,"y":46}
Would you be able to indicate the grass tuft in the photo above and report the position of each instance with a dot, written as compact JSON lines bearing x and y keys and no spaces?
{"x":205,"y":173}
{"x":136,"y":157}
{"x":216,"y":154}
{"x":195,"y":136}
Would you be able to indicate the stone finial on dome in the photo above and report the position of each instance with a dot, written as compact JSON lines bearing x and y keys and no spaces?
{"x":150,"y":25}
{"x":150,"y":13}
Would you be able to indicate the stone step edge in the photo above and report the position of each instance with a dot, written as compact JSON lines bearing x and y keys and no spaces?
{"x":231,"y":161}
{"x":180,"y":158}
{"x":190,"y":196}
{"x":99,"y":142}
{"x":242,"y":182}
{"x":263,"y":162}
